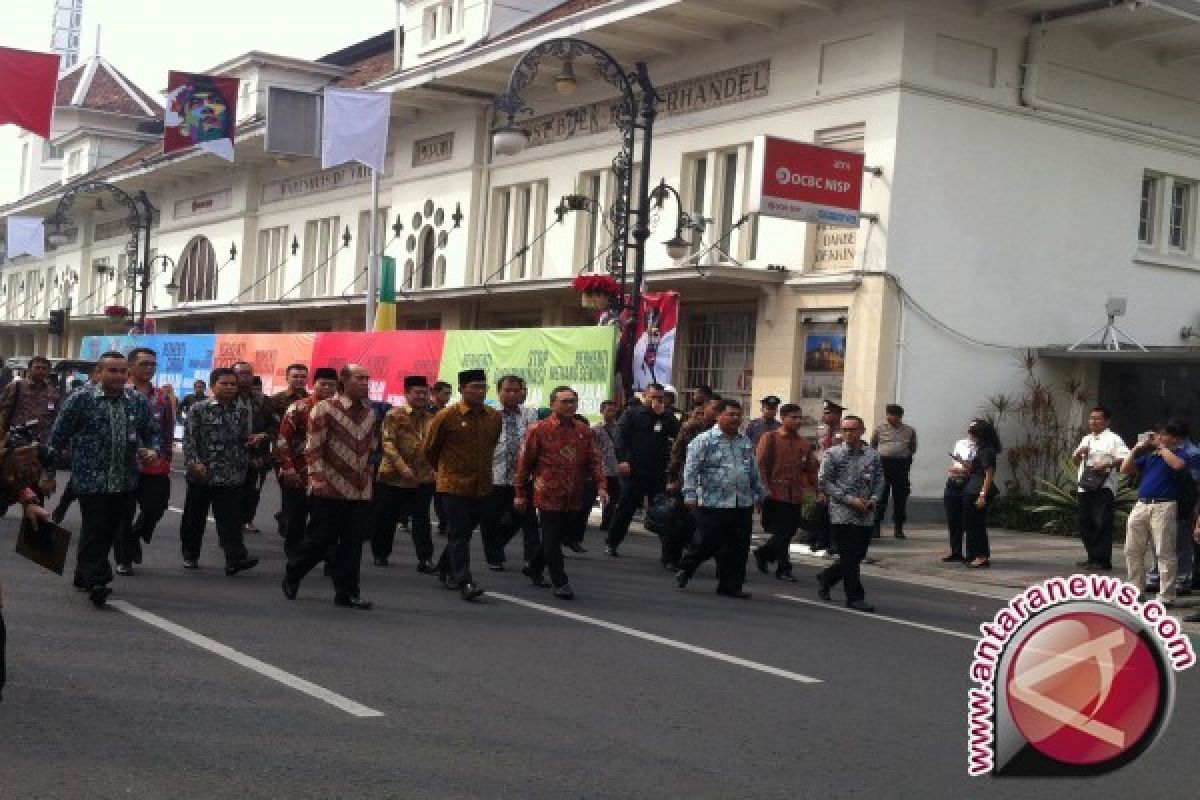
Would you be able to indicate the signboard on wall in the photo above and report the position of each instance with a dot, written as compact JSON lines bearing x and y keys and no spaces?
{"x":824,"y":372}
{"x":806,"y":182}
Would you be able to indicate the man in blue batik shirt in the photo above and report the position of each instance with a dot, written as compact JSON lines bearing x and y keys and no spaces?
{"x":109,"y":431}
{"x":722,"y":485}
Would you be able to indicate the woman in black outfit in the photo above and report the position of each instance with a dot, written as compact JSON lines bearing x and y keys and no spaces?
{"x":980,"y":491}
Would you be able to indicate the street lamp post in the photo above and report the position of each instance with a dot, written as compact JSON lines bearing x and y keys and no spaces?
{"x":636,"y":111}
{"x":139,"y":220}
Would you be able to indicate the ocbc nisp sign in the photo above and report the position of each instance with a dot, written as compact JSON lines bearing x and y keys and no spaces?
{"x":801,"y":181}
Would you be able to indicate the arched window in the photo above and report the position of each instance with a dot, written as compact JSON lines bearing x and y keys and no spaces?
{"x":197,"y":272}
{"x":425,"y":258}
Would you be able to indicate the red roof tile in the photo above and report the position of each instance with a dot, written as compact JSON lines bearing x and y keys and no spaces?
{"x":67,"y":85}
{"x":561,"y":11}
{"x":368,"y":70}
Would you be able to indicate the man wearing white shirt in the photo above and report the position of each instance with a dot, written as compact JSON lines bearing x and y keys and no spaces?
{"x":1101,"y":452}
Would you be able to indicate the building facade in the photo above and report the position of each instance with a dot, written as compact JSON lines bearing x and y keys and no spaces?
{"x":1031,"y":160}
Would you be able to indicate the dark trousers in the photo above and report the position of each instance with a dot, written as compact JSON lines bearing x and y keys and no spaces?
{"x":295,"y":518}
{"x":252,"y":492}
{"x":725,"y":533}
{"x":226,"y":504}
{"x":952,"y":500}
{"x":895,"y":484}
{"x":781,"y":520}
{"x":852,"y":542}
{"x":463,"y":515}
{"x":634,"y":489}
{"x":555,"y":527}
{"x":609,"y":508}
{"x":341,"y":524}
{"x":395,"y":502}
{"x":105,"y":516}
{"x":1096,"y":525}
{"x":822,"y":534}
{"x":440,"y":512}
{"x":153,"y":496}
{"x":680,"y":537}
{"x":64,"y":502}
{"x":975,"y":525}
{"x":501,"y":522}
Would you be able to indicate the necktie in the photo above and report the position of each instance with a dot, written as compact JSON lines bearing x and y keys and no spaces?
{"x":511,"y":446}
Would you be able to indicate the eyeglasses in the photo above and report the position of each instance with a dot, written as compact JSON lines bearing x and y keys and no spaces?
{"x":854,"y":429}
{"x":571,"y":400}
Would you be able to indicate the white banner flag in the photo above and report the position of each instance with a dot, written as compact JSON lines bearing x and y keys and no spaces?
{"x":26,"y":236}
{"x":355,"y":127}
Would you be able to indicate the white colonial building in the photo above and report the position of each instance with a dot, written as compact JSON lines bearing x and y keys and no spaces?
{"x":1035,"y":158}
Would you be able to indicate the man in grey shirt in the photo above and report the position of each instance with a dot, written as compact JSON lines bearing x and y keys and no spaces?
{"x":852,"y":478}
{"x":896,"y":444}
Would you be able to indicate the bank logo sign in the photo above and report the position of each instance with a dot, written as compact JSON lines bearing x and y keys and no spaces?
{"x":1074,"y":677}
{"x":806,"y":182}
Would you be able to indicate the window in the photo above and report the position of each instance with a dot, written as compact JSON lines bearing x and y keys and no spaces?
{"x":426,"y":255}
{"x":197,"y":272}
{"x":73,"y":160}
{"x":320,"y":257}
{"x":715,"y":188}
{"x":719,"y":352}
{"x":1178,"y":233}
{"x":1146,"y":213}
{"x":517,"y":221}
{"x":433,"y":323}
{"x":362,"y":252}
{"x":593,"y":236}
{"x":51,"y":152}
{"x":23,"y":178}
{"x":269,"y":259}
{"x":441,"y":21}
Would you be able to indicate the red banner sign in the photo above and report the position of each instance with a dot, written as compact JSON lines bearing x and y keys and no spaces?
{"x":800,"y":181}
{"x":388,"y":355}
{"x":654,"y":351}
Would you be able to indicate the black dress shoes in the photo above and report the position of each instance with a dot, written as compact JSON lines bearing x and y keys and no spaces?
{"x":681,"y":579}
{"x":760,"y":560}
{"x":537,"y":579}
{"x":290,"y":589}
{"x":952,"y":558}
{"x":576,"y":547}
{"x":739,"y":594}
{"x":859,"y":605}
{"x":426,"y":568}
{"x":823,"y":590}
{"x":241,"y":565}
{"x":785,"y":576}
{"x":611,"y":552}
{"x":124,"y":569}
{"x":470,"y":591}
{"x":99,"y":595}
{"x":353,"y":602}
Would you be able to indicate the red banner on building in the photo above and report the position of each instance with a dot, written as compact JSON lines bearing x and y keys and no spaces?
{"x":654,"y":351}
{"x":201,"y":112}
{"x":28,"y":82}
{"x":801,"y":181}
{"x":388,"y":355}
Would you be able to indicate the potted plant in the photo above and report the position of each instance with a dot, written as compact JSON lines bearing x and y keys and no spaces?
{"x":597,"y":291}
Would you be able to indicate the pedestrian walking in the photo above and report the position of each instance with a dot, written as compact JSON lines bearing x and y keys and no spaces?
{"x":31,"y":399}
{"x":199,"y":393}
{"x":644,"y":436}
{"x":961,"y":456}
{"x":1099,"y":456}
{"x":683,"y":531}
{"x":502,"y":520}
{"x":979,"y":492}
{"x":851,"y":476}
{"x":215,"y":456}
{"x":293,"y":459}
{"x":769,"y":421}
{"x":459,"y":445}
{"x":558,"y":456}
{"x":722,"y":486}
{"x":828,"y":436}
{"x":338,"y":448}
{"x":263,"y":429}
{"x":788,"y":465}
{"x":1163,"y":465}
{"x":154,"y":478}
{"x":606,"y":435}
{"x":439,"y":397}
{"x":406,"y":480}
{"x":296,"y":376}
{"x":896,"y":444}
{"x":108,"y":432}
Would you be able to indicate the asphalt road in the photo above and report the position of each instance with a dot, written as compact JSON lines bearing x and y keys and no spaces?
{"x":500,"y":699}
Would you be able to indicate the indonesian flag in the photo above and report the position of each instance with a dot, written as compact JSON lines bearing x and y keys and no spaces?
{"x":28,"y":82}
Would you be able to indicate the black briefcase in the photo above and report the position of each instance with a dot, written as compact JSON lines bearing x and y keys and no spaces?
{"x":45,"y":544}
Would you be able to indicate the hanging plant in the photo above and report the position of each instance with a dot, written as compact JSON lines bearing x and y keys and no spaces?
{"x":596,"y":284}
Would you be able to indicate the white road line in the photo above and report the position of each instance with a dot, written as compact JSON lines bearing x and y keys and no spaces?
{"x":249,"y":662}
{"x":180,"y":511}
{"x":882,"y":617}
{"x":650,"y":637}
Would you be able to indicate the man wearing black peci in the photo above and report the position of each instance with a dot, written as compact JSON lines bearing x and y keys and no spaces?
{"x":644,"y":436}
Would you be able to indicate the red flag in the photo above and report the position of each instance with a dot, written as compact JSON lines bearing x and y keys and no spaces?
{"x":28,"y":82}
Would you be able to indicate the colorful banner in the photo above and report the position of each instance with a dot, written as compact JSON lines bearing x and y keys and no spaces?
{"x":388,"y":355}
{"x":581,"y":358}
{"x":654,"y":352}
{"x":268,"y":353}
{"x":201,"y":112}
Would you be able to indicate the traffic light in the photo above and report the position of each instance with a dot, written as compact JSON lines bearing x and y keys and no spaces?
{"x":58,"y":322}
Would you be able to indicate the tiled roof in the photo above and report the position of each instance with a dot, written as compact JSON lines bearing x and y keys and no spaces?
{"x":104,"y":88}
{"x":68,"y":83}
{"x":370,"y":60}
{"x":368,"y":70}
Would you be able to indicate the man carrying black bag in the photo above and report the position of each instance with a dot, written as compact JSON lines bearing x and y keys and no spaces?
{"x":682,"y":527}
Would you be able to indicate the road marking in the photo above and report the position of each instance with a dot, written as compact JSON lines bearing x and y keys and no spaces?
{"x":249,"y":662}
{"x":882,"y":617}
{"x":180,"y":511}
{"x":650,"y":637}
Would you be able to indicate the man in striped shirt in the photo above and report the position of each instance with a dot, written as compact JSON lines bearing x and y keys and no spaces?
{"x":341,"y":439}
